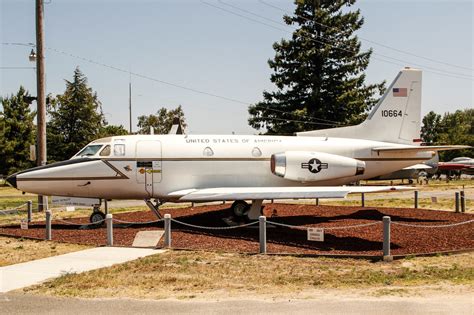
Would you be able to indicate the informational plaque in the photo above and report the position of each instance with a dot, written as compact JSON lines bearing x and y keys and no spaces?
{"x":24,"y":224}
{"x":316,"y":234}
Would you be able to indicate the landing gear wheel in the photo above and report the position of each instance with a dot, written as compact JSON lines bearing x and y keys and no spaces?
{"x":96,"y":216}
{"x":239,"y":208}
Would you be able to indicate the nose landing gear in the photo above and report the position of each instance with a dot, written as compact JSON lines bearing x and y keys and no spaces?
{"x":97,"y":215}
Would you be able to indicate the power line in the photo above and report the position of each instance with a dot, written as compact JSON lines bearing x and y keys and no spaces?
{"x":11,"y":68}
{"x":325,"y":122}
{"x":371,"y":41}
{"x":433,"y":70}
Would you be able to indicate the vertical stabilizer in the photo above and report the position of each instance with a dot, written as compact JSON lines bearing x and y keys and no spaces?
{"x":395,"y":118}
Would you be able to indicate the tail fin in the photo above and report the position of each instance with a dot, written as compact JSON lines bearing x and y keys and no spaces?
{"x":395,"y":118}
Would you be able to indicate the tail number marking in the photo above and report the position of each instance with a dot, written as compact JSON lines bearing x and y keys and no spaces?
{"x":391,"y":113}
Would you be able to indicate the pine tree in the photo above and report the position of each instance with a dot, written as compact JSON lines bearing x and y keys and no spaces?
{"x":318,"y":73}
{"x":162,"y":121}
{"x":76,"y":119}
{"x":431,"y":127}
{"x":17,"y":132}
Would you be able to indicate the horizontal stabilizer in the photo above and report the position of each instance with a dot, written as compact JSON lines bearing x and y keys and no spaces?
{"x":413,"y":149}
{"x":418,"y":167}
{"x":255,"y":193}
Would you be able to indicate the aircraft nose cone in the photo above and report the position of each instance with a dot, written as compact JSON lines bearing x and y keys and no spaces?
{"x":11,"y":180}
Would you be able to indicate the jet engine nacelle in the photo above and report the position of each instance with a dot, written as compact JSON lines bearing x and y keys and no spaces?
{"x":304,"y":166}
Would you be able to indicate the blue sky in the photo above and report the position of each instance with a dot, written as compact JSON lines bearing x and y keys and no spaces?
{"x":198,"y":46}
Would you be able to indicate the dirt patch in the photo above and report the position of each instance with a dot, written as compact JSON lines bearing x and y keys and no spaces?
{"x":350,"y":241}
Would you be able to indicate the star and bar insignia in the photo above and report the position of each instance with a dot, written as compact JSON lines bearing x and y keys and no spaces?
{"x":314,"y":165}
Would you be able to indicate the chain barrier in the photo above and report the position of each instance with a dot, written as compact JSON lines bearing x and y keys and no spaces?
{"x":216,"y":227}
{"x":325,"y":228}
{"x":131,"y":223}
{"x":78,"y":224}
{"x":21,"y":206}
{"x":17,"y":209}
{"x":432,"y":226}
{"x":352,"y":226}
{"x":296,"y":227}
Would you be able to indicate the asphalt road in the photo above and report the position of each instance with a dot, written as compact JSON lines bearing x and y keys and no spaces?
{"x":29,"y":304}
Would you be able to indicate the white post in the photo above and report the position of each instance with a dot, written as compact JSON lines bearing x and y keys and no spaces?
{"x":168,"y":230}
{"x":386,"y":239}
{"x":110,"y":229}
{"x":30,"y":210}
{"x":48,"y":224}
{"x":262,"y":224}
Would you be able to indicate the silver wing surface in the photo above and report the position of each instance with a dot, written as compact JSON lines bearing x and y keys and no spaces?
{"x":255,"y":193}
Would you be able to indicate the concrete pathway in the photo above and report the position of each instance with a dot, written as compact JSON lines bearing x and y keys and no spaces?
{"x":33,"y":272}
{"x":38,"y":305}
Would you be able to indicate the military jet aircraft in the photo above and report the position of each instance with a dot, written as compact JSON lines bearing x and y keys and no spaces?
{"x":237,"y":168}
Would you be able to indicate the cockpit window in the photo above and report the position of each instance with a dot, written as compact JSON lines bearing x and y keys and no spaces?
{"x":105,"y":151}
{"x":90,"y":150}
{"x":119,"y":149}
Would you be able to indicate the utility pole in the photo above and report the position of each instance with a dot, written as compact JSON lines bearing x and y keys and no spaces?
{"x":130,"y":101}
{"x":41,"y":98}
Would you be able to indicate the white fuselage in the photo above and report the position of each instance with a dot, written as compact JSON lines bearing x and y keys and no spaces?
{"x":153,"y":166}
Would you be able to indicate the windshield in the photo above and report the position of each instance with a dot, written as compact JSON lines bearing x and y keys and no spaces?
{"x":90,"y":150}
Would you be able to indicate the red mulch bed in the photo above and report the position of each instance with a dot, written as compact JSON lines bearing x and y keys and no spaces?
{"x":354,"y":241}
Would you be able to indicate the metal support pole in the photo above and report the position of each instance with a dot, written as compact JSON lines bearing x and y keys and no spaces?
{"x":362,"y":199}
{"x":168,"y":230}
{"x":48,"y":225}
{"x":30,"y":209}
{"x":386,"y":239}
{"x":416,"y":199}
{"x":317,"y":201}
{"x":106,"y":207}
{"x":262,"y":227}
{"x":110,"y":229}
{"x":463,"y":202}
{"x":456,"y":201}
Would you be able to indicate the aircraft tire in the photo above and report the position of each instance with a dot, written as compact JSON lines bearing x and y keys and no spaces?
{"x":96,"y":216}
{"x":240,"y":208}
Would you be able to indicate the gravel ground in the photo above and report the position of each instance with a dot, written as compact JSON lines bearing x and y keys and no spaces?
{"x":347,"y":241}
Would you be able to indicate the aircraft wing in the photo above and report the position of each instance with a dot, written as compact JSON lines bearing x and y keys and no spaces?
{"x":418,"y":167}
{"x":422,"y":148}
{"x":255,"y":193}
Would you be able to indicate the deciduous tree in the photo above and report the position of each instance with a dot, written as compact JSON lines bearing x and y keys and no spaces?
{"x":17,"y":132}
{"x":162,"y":121}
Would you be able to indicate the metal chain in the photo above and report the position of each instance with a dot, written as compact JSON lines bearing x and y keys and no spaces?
{"x":20,"y":206}
{"x":287,"y":225}
{"x":79,"y":224}
{"x":325,"y":228}
{"x":128,"y":222}
{"x":432,"y":226}
{"x":352,"y":226}
{"x":215,"y":228}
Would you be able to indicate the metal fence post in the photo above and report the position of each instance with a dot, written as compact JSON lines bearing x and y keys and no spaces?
{"x":463,"y":202}
{"x":168,"y":230}
{"x":362,"y":199}
{"x":262,"y":227}
{"x":48,"y":225}
{"x":456,"y":200}
{"x":110,"y":229}
{"x":416,"y":199}
{"x":317,"y":201}
{"x":386,"y":239}
{"x":30,"y":210}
